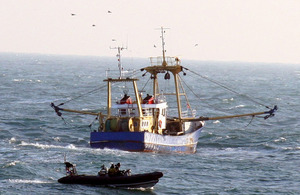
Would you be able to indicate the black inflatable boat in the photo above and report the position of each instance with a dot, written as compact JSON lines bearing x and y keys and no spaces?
{"x":146,"y":180}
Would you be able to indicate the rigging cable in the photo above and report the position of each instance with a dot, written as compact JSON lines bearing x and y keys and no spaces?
{"x":93,"y":91}
{"x":89,"y":92}
{"x":145,"y":84}
{"x":227,"y":88}
{"x":250,"y":121}
{"x":197,"y":96}
{"x":186,"y":98}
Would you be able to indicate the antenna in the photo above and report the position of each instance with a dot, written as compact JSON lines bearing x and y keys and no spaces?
{"x":163,"y":45}
{"x":119,"y":59}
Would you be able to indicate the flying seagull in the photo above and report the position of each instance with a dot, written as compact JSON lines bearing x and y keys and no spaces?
{"x":73,"y":14}
{"x":109,"y":12}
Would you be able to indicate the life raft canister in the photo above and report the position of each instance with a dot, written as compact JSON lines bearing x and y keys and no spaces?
{"x":148,"y":100}
{"x":126,"y":100}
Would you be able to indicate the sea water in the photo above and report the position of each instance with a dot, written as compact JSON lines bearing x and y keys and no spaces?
{"x":234,"y":156}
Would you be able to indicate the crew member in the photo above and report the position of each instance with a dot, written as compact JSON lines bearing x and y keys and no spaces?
{"x":112,"y":170}
{"x":103,"y":171}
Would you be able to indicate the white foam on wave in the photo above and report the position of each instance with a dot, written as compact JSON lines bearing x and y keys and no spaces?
{"x":56,"y":139}
{"x":28,"y":80}
{"x":238,"y":106}
{"x":73,"y":147}
{"x":12,"y":140}
{"x":27,"y":181}
{"x":291,"y":148}
{"x":108,"y":151}
{"x":19,"y":80}
{"x":141,"y":189}
{"x":13,"y":163}
{"x":45,"y":146}
{"x":227,"y":100}
{"x":281,"y":139}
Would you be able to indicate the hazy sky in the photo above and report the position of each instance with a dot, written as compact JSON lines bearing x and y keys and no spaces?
{"x":230,"y":30}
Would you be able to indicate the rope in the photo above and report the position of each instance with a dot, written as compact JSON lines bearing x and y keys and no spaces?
{"x":94,"y":90}
{"x":89,"y":92}
{"x":145,"y":84}
{"x":90,"y":125}
{"x":250,"y":121}
{"x":227,"y":88}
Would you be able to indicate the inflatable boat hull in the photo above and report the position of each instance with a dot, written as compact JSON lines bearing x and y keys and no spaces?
{"x":146,"y":180}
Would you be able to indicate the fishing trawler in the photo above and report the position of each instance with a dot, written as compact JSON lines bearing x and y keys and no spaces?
{"x":147,"y":124}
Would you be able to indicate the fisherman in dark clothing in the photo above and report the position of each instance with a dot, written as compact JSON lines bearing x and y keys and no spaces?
{"x":70,"y":169}
{"x":118,"y":167}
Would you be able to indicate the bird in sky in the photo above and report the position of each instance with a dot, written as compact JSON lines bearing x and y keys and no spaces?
{"x":196,"y":45}
{"x":109,"y":11}
{"x":73,"y":14}
{"x":93,"y":25}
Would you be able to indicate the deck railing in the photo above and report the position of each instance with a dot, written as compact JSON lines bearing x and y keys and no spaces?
{"x":171,"y":61}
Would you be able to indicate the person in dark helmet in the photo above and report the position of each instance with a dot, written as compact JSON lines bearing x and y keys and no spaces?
{"x":103,"y":171}
{"x":120,"y":172}
{"x":118,"y":167}
{"x":70,"y":169}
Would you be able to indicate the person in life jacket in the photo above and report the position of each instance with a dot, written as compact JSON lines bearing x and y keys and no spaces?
{"x":112,"y":170}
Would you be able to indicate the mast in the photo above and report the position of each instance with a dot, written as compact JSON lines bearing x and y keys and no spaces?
{"x":119,"y":59}
{"x":108,"y":97}
{"x":163,"y":46}
{"x":175,"y":69}
{"x":177,"y":96}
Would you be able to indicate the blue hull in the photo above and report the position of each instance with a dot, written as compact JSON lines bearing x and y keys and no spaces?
{"x":145,"y":141}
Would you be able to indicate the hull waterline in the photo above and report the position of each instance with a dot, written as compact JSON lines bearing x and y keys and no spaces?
{"x":146,"y":142}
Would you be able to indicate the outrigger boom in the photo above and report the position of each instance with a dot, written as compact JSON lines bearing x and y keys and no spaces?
{"x":269,"y":113}
{"x":57,"y":109}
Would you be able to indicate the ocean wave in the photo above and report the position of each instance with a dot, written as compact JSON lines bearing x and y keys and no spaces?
{"x":12,"y":140}
{"x":11,"y":164}
{"x":46,"y":146}
{"x":291,"y":148}
{"x":28,"y":80}
{"x":228,"y":100}
{"x":281,"y":139}
{"x":27,"y":181}
{"x":79,"y":149}
{"x":240,"y":106}
{"x":216,"y":122}
{"x":56,"y":139}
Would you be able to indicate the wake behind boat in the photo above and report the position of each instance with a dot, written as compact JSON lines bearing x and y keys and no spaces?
{"x":148,"y":124}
